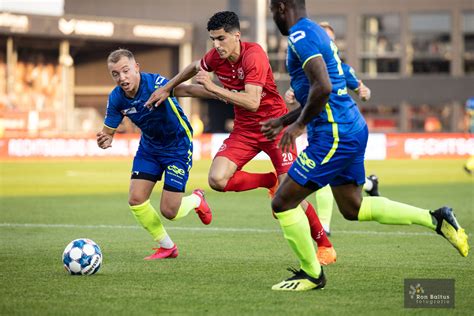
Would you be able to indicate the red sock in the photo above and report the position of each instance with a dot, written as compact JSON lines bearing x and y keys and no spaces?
{"x":243,"y":181}
{"x":317,"y":230}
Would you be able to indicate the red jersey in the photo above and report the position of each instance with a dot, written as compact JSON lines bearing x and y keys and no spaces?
{"x":252,"y":67}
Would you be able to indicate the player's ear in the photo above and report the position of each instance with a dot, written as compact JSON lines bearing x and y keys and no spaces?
{"x":281,"y":7}
{"x":137,"y":67}
{"x":237,"y":35}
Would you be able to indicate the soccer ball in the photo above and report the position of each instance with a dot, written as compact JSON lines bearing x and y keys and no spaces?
{"x":82,"y":257}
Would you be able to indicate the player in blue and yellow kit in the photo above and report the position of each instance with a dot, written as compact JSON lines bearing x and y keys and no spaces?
{"x":165,"y":147}
{"x":337,"y":136}
{"x":324,"y":197}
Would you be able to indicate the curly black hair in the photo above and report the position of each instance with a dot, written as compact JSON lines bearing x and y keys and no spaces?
{"x":227,"y":20}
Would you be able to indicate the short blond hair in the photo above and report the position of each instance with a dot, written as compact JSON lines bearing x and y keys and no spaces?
{"x":115,"y":56}
{"x":326,"y":25}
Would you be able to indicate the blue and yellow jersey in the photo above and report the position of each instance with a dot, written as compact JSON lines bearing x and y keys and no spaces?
{"x":352,"y":82}
{"x":308,"y":40}
{"x":165,"y":129}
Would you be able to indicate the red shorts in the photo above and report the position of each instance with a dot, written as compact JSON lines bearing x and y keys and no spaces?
{"x":241,"y":149}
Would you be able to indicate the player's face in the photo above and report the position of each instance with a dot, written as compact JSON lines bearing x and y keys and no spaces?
{"x":126,"y":74}
{"x":278,"y":11}
{"x":227,"y":44}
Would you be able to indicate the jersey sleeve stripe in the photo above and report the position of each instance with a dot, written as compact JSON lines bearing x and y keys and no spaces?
{"x":204,"y":65}
{"x":181,"y":121}
{"x":335,"y":135}
{"x":290,"y":44}
{"x":110,"y":127}
{"x":309,"y":58}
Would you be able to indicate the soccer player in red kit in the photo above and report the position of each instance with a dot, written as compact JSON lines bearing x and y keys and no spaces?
{"x":244,"y":71}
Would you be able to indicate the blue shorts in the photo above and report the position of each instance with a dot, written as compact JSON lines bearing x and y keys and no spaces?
{"x":151,"y":167}
{"x":319,"y":164}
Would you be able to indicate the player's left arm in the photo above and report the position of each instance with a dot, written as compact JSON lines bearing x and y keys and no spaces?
{"x":363,"y":91}
{"x":248,"y":99}
{"x":273,"y":127}
{"x":355,"y":84}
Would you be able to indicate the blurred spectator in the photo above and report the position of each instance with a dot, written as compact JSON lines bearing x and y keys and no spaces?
{"x":197,"y":124}
{"x":382,"y":45}
{"x":470,"y":114}
{"x":3,"y":83}
{"x":36,"y":84}
{"x":432,"y":124}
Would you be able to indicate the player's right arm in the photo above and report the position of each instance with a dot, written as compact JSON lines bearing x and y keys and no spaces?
{"x":112,"y":120}
{"x":163,"y":93}
{"x":105,"y":137}
{"x":248,"y":99}
{"x":320,"y":88}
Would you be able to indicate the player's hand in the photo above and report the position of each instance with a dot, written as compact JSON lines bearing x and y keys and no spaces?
{"x":364,"y":91}
{"x":104,"y":140}
{"x":290,"y":96}
{"x":157,"y":97}
{"x":203,"y":78}
{"x":288,"y":139}
{"x":271,"y":128}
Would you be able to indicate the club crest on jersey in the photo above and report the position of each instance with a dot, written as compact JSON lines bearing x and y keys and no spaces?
{"x":129,"y":111}
{"x":240,"y":73}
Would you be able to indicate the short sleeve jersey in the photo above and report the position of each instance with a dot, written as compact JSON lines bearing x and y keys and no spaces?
{"x":308,"y":40}
{"x":252,"y":67}
{"x":165,"y":129}
{"x":352,"y":81}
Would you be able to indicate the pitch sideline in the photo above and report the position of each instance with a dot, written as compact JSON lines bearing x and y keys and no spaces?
{"x":210,"y":229}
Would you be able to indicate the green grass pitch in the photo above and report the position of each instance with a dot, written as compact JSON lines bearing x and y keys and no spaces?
{"x":226,"y":268}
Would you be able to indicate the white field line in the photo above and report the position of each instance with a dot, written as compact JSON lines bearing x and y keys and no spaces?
{"x":210,"y":229}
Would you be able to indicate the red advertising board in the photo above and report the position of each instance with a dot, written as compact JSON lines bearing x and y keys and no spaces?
{"x":436,"y":145}
{"x":381,"y":146}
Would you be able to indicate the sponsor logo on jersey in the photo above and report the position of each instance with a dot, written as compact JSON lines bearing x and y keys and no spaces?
{"x":342,"y":91}
{"x":176,"y":170}
{"x":304,"y":161}
{"x":223,"y":78}
{"x":129,"y":111}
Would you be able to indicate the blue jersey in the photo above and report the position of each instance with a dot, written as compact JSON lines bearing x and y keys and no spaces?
{"x":308,"y":40}
{"x":165,"y":130}
{"x":352,"y":82}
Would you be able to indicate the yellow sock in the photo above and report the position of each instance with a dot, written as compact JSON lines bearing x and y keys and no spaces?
{"x":324,"y":205}
{"x":149,"y":219}
{"x":385,"y":211}
{"x":470,"y":164}
{"x":188,"y":203}
{"x":295,"y":226}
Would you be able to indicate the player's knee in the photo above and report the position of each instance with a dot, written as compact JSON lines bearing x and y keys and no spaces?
{"x":350,"y":214}
{"x":135,"y":200}
{"x":168,"y":212}
{"x":216,"y":182}
{"x":278,"y":204}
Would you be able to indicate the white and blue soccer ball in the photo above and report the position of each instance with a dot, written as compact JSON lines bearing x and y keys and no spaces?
{"x":82,"y":257}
